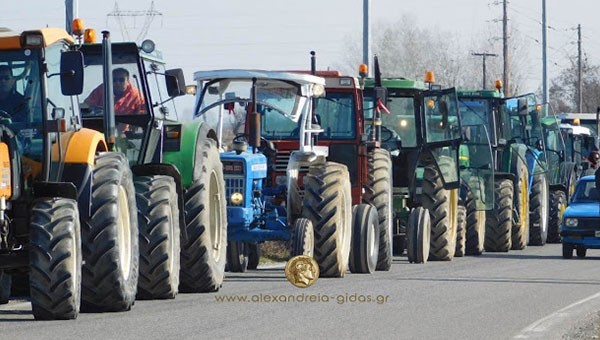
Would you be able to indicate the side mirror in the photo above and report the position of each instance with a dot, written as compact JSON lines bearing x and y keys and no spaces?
{"x":71,"y":73}
{"x":175,"y":82}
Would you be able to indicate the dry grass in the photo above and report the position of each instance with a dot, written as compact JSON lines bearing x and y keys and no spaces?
{"x":274,"y":251}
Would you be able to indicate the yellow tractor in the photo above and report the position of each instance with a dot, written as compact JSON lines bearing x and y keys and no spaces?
{"x":67,"y":204}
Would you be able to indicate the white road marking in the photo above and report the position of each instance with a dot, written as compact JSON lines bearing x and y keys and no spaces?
{"x":557,"y":323}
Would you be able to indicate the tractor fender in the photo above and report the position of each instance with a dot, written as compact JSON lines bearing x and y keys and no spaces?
{"x":192,"y":135}
{"x":78,"y":166}
{"x":504,"y":175}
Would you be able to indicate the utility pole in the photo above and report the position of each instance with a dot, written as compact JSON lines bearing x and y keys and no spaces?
{"x":544,"y":59}
{"x":506,"y":73}
{"x":484,"y":55}
{"x":579,"y":72}
{"x":366,"y":33}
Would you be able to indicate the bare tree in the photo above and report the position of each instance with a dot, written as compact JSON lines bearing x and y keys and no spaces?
{"x":563,"y":89}
{"x":406,"y":50}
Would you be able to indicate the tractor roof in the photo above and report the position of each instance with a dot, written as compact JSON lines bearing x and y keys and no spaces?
{"x":397,"y":83}
{"x":302,"y":79}
{"x":577,"y":130}
{"x":479,"y":93}
{"x":11,"y":40}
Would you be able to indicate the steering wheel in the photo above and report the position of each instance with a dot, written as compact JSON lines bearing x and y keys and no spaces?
{"x":5,"y":116}
{"x":387,"y":134}
{"x":266,"y":146}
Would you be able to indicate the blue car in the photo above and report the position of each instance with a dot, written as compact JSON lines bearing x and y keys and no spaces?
{"x":580,"y":229}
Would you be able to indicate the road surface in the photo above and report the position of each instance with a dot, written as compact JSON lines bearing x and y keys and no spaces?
{"x":529,"y":294}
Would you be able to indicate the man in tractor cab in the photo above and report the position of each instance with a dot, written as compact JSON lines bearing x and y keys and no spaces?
{"x":11,"y":102}
{"x":128,"y":100}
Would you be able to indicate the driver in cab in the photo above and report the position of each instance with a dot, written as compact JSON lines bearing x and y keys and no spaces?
{"x":128,"y":100}
{"x":11,"y":101}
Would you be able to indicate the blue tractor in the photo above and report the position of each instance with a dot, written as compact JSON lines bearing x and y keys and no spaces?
{"x":310,"y":205}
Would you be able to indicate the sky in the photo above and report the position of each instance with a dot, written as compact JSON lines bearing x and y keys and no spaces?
{"x":278,"y":34}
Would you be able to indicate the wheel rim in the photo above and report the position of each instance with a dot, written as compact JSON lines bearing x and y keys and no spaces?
{"x":215,"y":216}
{"x":371,"y":239}
{"x":172,"y":242}
{"x":545,"y":207}
{"x":346,"y":225}
{"x":453,"y":213}
{"x":124,"y":232}
{"x":524,"y":213}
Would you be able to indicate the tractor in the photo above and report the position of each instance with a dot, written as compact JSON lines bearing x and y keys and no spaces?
{"x":516,"y":165}
{"x":67,"y":204}
{"x":178,"y":175}
{"x":304,"y":198}
{"x":351,"y":141}
{"x":422,"y":132}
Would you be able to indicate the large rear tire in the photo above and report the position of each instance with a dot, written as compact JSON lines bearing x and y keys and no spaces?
{"x":364,"y":251}
{"x":378,"y":193}
{"x":328,"y":204}
{"x":110,"y":238}
{"x":55,"y":259}
{"x":442,"y":205}
{"x":538,"y":204}
{"x":204,"y":244}
{"x":520,"y":230}
{"x":558,"y":204}
{"x":498,"y":221}
{"x":418,"y":234}
{"x":158,"y":219}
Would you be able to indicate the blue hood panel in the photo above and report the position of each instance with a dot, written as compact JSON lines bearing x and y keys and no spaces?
{"x":591,"y":209}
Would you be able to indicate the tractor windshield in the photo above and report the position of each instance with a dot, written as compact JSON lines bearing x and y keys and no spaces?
{"x":131,"y":115}
{"x":231,"y":99}
{"x":336,"y":115}
{"x":475,"y":112}
{"x":20,"y":100}
{"x":399,"y":124}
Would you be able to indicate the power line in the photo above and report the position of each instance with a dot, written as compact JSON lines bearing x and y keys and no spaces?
{"x":148,"y":14}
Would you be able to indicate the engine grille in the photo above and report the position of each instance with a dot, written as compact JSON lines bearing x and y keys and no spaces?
{"x":233,"y":183}
{"x":588,"y":223}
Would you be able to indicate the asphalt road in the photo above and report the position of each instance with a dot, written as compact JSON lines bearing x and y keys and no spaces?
{"x":522,"y":294}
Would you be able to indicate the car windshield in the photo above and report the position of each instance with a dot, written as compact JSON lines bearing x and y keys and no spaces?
{"x":586,"y":192}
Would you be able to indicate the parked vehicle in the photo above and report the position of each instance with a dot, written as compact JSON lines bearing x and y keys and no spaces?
{"x":580,"y":230}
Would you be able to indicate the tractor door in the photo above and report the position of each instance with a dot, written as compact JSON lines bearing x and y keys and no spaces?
{"x":442,"y":132}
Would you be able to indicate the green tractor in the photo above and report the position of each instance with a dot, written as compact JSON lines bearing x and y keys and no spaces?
{"x":422,"y":131}
{"x":519,"y":169}
{"x":178,"y":175}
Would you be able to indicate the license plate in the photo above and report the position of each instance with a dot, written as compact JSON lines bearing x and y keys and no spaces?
{"x":597,"y":233}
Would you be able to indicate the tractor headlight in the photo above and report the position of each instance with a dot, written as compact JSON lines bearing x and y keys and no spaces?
{"x":236,"y":198}
{"x":571,"y":222}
